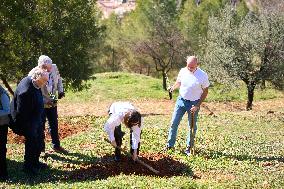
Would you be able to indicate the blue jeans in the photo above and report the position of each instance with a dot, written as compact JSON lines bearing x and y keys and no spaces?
{"x":52,"y":117}
{"x":181,"y":107}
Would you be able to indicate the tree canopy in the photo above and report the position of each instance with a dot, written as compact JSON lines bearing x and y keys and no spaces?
{"x":249,"y":48}
{"x":65,"y":30}
{"x":155,"y":35}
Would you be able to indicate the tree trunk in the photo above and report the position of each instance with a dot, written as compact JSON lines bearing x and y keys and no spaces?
{"x":7,"y":85}
{"x":262,"y":84}
{"x":113,"y":60}
{"x":250,"y":88}
{"x":164,"y":80}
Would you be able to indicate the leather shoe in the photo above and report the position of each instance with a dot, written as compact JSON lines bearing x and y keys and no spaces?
{"x":117,"y":158}
{"x":187,"y":151}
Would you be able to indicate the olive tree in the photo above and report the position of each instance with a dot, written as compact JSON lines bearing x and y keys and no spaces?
{"x":248,"y":48}
{"x":155,"y":35}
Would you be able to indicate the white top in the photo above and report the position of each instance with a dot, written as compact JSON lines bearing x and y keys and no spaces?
{"x":118,"y":111}
{"x":192,"y":84}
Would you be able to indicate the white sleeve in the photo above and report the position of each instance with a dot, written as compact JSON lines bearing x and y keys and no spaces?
{"x":179,"y":76}
{"x":205,"y":82}
{"x":112,"y":122}
{"x":58,"y":78}
{"x":60,"y":85}
{"x":136,"y":131}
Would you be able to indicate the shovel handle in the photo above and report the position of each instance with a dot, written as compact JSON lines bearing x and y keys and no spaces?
{"x":192,"y":135}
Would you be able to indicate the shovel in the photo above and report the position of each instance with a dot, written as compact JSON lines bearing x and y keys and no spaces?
{"x":192,"y":150}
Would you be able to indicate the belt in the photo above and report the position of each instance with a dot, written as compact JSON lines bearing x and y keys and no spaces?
{"x":188,"y":100}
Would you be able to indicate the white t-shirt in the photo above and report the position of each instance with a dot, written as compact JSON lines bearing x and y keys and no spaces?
{"x":192,"y":84}
{"x":118,"y":111}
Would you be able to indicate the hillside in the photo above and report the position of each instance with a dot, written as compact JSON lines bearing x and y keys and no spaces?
{"x":234,"y":148}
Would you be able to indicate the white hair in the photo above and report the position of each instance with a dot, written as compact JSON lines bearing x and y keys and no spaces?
{"x":44,"y":60}
{"x":190,"y":58}
{"x":38,"y":73}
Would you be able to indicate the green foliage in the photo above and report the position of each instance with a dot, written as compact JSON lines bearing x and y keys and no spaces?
{"x":194,"y":20}
{"x":110,"y":50}
{"x":63,"y":30}
{"x":240,"y":47}
{"x":162,"y":43}
{"x":248,"y":48}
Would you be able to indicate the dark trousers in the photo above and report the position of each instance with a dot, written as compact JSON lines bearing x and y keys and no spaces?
{"x":51,"y":115}
{"x":3,"y":150}
{"x":33,"y":136}
{"x":118,"y":135}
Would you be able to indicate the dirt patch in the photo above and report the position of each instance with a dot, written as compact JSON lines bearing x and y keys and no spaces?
{"x":166,"y":107}
{"x":67,"y":127}
{"x":107,"y":167}
{"x":15,"y":139}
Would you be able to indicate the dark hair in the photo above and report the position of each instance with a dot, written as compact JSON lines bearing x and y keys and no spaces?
{"x":132,"y":117}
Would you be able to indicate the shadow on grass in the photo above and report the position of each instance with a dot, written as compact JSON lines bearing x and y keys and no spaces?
{"x":215,"y":155}
{"x":79,"y":167}
{"x":71,"y":157}
{"x":152,"y":114}
{"x":17,"y":176}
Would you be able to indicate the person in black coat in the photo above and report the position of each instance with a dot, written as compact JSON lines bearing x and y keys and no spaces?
{"x":26,"y":112}
{"x":4,"y":122}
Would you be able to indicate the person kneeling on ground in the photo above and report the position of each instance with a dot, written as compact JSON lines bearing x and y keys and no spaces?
{"x":124,"y":112}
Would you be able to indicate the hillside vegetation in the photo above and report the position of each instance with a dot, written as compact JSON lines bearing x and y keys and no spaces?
{"x":235,"y":149}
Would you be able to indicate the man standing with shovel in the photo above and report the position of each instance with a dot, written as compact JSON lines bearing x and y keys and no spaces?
{"x":193,"y":86}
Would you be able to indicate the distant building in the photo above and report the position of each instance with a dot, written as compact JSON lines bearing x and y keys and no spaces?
{"x":115,"y":6}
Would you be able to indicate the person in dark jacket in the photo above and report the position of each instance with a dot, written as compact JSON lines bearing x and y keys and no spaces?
{"x":4,"y":122}
{"x":51,"y":92}
{"x":26,"y":111}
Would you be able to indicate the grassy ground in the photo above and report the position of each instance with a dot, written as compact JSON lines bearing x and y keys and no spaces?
{"x":234,"y":149}
{"x":119,"y":86}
